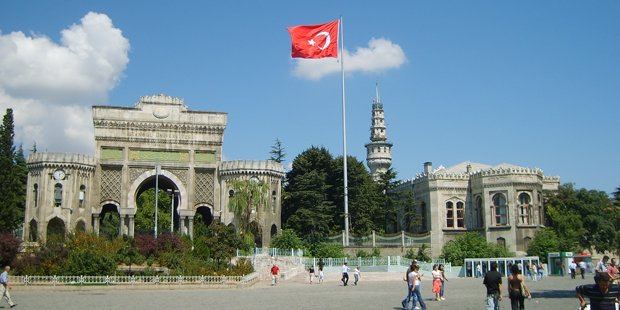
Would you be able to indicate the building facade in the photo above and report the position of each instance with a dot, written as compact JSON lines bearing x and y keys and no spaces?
{"x":157,"y":143}
{"x":504,"y":203}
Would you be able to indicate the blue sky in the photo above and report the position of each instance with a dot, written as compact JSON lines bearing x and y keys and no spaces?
{"x":531,"y":83}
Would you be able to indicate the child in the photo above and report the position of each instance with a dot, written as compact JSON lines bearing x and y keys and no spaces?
{"x":311,"y":273}
{"x":356,"y":274}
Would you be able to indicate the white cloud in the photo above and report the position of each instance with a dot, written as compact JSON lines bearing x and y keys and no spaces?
{"x":381,"y":54}
{"x":51,"y":86}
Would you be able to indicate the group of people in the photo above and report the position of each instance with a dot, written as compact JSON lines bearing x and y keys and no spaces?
{"x":572,"y":268}
{"x":345,"y":274}
{"x":313,"y":273}
{"x":535,"y":271}
{"x":603,"y":294}
{"x":413,"y":277}
{"x":517,"y":290}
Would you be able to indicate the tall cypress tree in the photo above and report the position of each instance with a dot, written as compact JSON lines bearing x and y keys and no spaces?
{"x":10,"y":212}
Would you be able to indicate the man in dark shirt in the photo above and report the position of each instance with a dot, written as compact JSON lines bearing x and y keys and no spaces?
{"x":603,"y":296}
{"x":493,"y":282}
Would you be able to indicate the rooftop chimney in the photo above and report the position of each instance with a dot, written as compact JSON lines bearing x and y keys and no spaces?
{"x":428,"y":167}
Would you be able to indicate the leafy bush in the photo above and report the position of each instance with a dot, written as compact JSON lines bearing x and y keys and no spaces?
{"x":545,"y":240}
{"x":167,"y":243}
{"x":88,"y":262}
{"x":146,"y":245}
{"x":9,"y":247}
{"x":287,"y":239}
{"x":471,"y":245}
{"x":326,"y":250}
{"x":362,"y":253}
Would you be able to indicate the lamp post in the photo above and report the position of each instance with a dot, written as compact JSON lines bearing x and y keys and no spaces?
{"x":172,"y":193}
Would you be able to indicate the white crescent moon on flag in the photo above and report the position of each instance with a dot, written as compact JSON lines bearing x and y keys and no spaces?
{"x":328,"y":39}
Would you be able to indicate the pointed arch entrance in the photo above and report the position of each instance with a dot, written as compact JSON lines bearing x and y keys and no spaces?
{"x":171,"y":201}
{"x":56,"y":229}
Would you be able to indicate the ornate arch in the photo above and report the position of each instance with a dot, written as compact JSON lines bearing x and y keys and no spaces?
{"x":131,"y":194}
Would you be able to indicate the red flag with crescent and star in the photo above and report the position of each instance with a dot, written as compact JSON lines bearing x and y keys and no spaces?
{"x":315,"y":41}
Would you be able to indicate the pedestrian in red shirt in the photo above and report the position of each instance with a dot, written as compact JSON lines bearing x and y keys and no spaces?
{"x":274,"y":274}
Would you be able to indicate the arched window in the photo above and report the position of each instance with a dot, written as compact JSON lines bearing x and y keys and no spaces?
{"x":449,"y":214}
{"x":33,"y":231}
{"x":460,"y":214}
{"x":58,"y":194}
{"x":82,"y":195}
{"x":525,"y":209}
{"x":499,"y":210}
{"x":501,"y":242}
{"x":35,"y":194}
{"x":273,"y":202}
{"x":479,"y":212}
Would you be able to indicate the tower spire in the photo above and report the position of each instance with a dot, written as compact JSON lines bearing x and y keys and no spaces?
{"x":378,"y":150}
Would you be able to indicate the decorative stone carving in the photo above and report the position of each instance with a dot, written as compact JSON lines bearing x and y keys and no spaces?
{"x":204,"y":181}
{"x":111,"y":183}
{"x":134,"y":173}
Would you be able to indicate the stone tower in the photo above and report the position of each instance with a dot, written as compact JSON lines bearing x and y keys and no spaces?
{"x":378,"y":150}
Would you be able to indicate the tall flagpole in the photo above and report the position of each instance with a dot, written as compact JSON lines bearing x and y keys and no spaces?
{"x":157,"y":168}
{"x":344,"y":140}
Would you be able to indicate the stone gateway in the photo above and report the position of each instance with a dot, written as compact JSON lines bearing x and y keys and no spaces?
{"x":157,"y":142}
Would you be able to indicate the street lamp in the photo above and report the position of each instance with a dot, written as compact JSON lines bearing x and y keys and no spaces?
{"x":172,"y":194}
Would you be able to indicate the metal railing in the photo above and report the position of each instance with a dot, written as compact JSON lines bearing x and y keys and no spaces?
{"x":386,"y":261}
{"x":271,"y":252}
{"x":134,"y":280}
{"x":402,"y":239}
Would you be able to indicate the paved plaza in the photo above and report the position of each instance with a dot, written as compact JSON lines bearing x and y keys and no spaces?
{"x":375,"y":291}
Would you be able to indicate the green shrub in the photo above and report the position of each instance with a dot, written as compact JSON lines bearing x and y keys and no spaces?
{"x":9,"y":247}
{"x":327,"y":250}
{"x":89,"y":263}
{"x":287,"y":239}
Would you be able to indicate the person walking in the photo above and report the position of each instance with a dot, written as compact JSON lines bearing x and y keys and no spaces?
{"x":517,"y":290}
{"x":572,"y":267}
{"x":602,"y":294}
{"x":436,"y":282}
{"x":443,"y":282}
{"x":5,"y":286}
{"x":602,"y":264}
{"x":356,"y":274}
{"x":582,"y":267}
{"x":275,"y":271}
{"x":493,"y":282}
{"x":311,"y":271}
{"x":612,"y":269}
{"x":345,"y":274}
{"x":409,"y":279}
{"x":321,"y":275}
{"x":417,"y":291}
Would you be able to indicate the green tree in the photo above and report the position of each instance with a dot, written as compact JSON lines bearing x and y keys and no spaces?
{"x":545,"y":241}
{"x":583,"y":219}
{"x":471,"y":245}
{"x":277,"y":152}
{"x":365,"y":198}
{"x":387,"y":183}
{"x":287,"y":239}
{"x":11,"y":178}
{"x":307,"y":207}
{"x":247,"y":197}
{"x":145,"y":214}
{"x":222,"y":242}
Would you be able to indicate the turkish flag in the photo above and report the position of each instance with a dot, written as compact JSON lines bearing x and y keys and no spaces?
{"x":315,"y":41}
